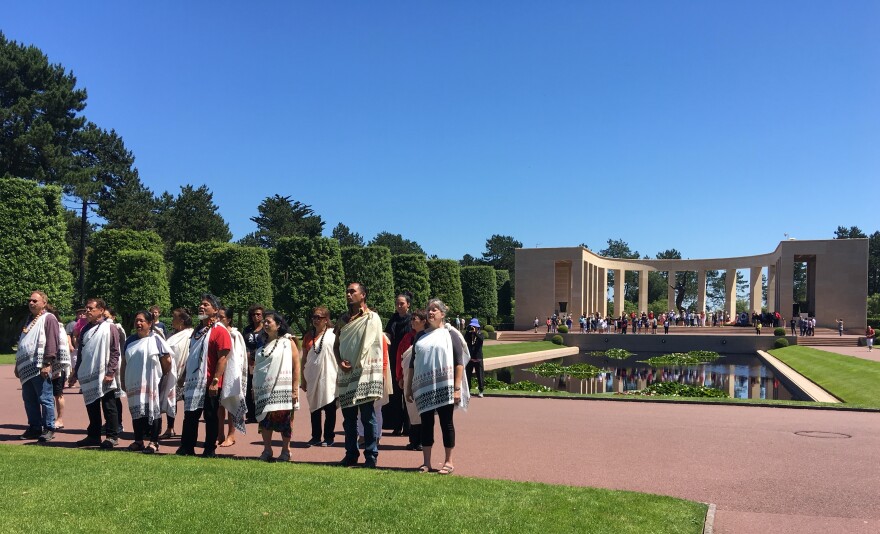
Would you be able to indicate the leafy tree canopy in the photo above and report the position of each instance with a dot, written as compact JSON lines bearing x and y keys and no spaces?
{"x":853,"y":232}
{"x":396,"y":244}
{"x":283,"y":217}
{"x":500,"y":252}
{"x":192,"y":216}
{"x":346,"y":237}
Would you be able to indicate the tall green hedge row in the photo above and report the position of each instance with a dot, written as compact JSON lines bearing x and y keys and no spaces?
{"x":445,"y":280}
{"x":33,"y":251}
{"x":411,"y":274}
{"x":479,"y":290}
{"x":307,"y":272}
{"x":190,"y":274}
{"x":143,"y":282}
{"x":371,"y":266}
{"x":104,"y":253}
{"x":239,"y":276}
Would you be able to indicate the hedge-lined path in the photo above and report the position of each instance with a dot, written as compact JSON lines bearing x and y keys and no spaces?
{"x":747,"y":460}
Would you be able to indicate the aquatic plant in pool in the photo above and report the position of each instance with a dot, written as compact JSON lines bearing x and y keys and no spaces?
{"x":675,"y":389}
{"x":614,"y":354}
{"x":694,"y":357}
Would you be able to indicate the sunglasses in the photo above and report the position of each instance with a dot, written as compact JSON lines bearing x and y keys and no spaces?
{"x":34,"y":301}
{"x":318,"y":317}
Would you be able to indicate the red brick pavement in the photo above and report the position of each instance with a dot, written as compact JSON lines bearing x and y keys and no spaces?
{"x":747,"y":460}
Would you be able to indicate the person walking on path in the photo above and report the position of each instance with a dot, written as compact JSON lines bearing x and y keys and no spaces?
{"x":97,"y":369}
{"x":840,"y":327}
{"x":474,"y":341}
{"x":869,"y":338}
{"x":209,"y":348}
{"x":37,"y":351}
{"x":359,"y":354}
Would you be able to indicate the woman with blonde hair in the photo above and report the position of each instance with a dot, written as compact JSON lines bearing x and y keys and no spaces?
{"x":319,"y":376}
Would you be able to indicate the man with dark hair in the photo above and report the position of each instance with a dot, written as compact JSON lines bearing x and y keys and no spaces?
{"x":37,"y":350}
{"x":97,"y":368}
{"x":359,"y":353}
{"x":209,"y":346}
{"x":254,"y":338}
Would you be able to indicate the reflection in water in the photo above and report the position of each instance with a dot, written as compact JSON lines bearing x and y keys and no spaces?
{"x":740,"y":376}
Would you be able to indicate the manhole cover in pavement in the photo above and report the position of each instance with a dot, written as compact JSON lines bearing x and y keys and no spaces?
{"x":820,"y":434}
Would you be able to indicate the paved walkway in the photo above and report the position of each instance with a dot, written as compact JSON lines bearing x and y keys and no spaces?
{"x":747,"y":460}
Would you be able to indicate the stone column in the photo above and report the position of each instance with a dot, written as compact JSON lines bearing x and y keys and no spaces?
{"x":755,"y":289}
{"x":594,"y":300}
{"x":603,"y":291}
{"x":771,"y":289}
{"x":670,"y":291}
{"x":618,"y":292}
{"x":701,"y":290}
{"x":588,"y":287}
{"x":643,"y":290}
{"x":730,"y":293}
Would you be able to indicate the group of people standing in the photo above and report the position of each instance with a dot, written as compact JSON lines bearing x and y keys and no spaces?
{"x":409,"y":371}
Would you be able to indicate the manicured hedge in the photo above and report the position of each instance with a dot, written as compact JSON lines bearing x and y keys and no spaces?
{"x":190,"y":276}
{"x":33,"y":251}
{"x":307,"y":272}
{"x":104,"y":259}
{"x":445,"y":280}
{"x":479,"y":291}
{"x":239,"y":275}
{"x":141,"y":283}
{"x":371,"y":266}
{"x":410,"y":273}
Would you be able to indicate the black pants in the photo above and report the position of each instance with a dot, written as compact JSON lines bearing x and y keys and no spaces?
{"x":119,"y":410}
{"x":475,"y":365}
{"x":249,"y":399}
{"x":190,"y":432}
{"x":145,"y":431}
{"x":329,"y":421}
{"x":392,"y":413}
{"x":444,"y":413}
{"x":106,"y":404}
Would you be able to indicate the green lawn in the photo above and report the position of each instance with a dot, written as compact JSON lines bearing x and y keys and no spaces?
{"x":172,"y":494}
{"x":7,"y":359}
{"x":508,"y":349}
{"x":850,"y":379}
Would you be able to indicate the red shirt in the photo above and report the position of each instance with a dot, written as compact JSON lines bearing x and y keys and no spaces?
{"x":219,"y":340}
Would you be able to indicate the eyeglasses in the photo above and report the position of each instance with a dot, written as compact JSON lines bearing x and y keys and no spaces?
{"x":318,"y":317}
{"x":90,"y":308}
{"x":34,"y":300}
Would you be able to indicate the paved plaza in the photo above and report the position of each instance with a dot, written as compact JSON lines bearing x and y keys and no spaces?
{"x":749,"y":461}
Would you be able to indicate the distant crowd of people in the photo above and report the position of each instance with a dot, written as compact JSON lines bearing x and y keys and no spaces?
{"x":409,"y":371}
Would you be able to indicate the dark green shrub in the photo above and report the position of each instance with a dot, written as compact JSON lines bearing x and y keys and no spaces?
{"x":479,"y":291}
{"x":141,"y":283}
{"x":239,"y":276}
{"x":557,"y":339}
{"x":445,"y":280}
{"x":488,"y":329}
{"x":562,"y":329}
{"x":104,"y":256}
{"x":308,"y":272}
{"x":371,"y":266}
{"x":505,"y":293}
{"x":779,"y":331}
{"x":525,"y":385}
{"x":780,"y":342}
{"x":410,"y":273}
{"x":190,"y":275}
{"x":33,"y":251}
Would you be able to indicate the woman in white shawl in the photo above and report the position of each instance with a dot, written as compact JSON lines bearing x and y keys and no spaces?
{"x":435,"y":384}
{"x":181,"y":322}
{"x":319,"y":376}
{"x":147,"y":360}
{"x":232,"y":398}
{"x":276,"y":385}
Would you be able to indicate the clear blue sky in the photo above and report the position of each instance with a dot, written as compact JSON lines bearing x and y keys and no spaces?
{"x":710,"y":127}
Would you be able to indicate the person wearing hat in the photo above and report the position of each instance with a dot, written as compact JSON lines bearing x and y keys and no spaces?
{"x":474,"y":340}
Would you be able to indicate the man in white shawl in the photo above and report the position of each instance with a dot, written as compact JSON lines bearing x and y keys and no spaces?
{"x":97,"y":369}
{"x":361,"y":381}
{"x":205,"y":371}
{"x":232,"y":396}
{"x":38,"y":347}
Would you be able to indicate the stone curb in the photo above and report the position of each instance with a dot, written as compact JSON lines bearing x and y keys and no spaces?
{"x":709,"y":525}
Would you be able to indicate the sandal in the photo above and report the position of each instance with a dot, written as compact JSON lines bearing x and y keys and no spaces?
{"x":424,"y":468}
{"x":266,"y":456}
{"x":150,"y":449}
{"x":446,"y":470}
{"x":168,"y":434}
{"x":136,"y":446}
{"x":284,"y":457}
